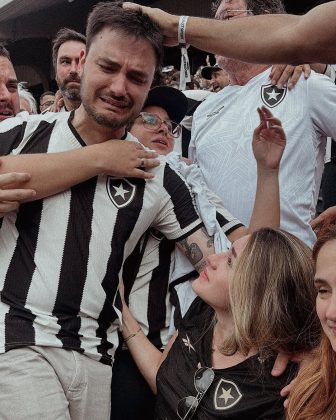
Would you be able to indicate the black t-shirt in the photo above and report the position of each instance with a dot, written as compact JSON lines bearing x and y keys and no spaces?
{"x":242,"y":392}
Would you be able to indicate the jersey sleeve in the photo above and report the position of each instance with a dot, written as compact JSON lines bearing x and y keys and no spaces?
{"x":227,"y":222}
{"x":12,"y":132}
{"x":322,"y":100}
{"x":178,"y":216}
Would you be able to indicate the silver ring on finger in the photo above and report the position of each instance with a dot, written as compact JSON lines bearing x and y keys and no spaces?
{"x":142,"y":163}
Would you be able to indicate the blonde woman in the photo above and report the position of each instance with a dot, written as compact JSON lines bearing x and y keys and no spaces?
{"x":313,"y":396}
{"x":255,"y":300}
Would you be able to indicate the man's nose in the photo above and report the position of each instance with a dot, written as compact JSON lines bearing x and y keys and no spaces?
{"x":118,"y":85}
{"x":4,"y":93}
{"x":74,"y":67}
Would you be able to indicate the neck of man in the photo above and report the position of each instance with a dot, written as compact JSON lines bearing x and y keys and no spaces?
{"x":91,"y":132}
{"x":241,"y":73}
{"x":70,"y":104}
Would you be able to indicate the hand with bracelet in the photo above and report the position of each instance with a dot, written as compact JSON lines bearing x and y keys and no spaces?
{"x":147,"y":357}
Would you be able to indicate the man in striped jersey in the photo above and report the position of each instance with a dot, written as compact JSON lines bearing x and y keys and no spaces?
{"x":9,"y":107}
{"x":61,"y":257}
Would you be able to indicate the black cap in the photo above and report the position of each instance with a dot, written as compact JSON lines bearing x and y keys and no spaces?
{"x":173,"y":101}
{"x":207,"y":71}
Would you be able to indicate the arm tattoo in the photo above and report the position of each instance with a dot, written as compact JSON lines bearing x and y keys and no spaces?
{"x":200,"y":267}
{"x":210,"y":239}
{"x":192,"y":251}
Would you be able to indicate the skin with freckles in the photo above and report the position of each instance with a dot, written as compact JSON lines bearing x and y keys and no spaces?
{"x":213,"y":283}
{"x":325,"y":282}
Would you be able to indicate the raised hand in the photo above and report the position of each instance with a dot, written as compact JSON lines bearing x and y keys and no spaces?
{"x":269,"y":140}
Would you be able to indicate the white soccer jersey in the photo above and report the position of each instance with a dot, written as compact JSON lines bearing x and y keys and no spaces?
{"x":61,"y":257}
{"x":222,"y":145}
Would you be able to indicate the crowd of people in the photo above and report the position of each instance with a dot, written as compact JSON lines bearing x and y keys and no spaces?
{"x":161,"y":253}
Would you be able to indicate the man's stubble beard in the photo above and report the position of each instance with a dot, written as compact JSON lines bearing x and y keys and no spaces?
{"x":104,"y":120}
{"x":71,"y":94}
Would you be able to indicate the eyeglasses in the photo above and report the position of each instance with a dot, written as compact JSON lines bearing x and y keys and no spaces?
{"x":187,"y":406}
{"x":153,"y":122}
{"x":228,"y":14}
{"x":48,"y":103}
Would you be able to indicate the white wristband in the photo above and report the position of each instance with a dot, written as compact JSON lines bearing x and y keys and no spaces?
{"x":182,"y":29}
{"x":185,"y":67}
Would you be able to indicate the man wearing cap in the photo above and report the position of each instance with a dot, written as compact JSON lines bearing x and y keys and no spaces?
{"x":218,"y":78}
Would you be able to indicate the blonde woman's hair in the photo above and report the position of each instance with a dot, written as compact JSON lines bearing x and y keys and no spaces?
{"x":272,"y":296}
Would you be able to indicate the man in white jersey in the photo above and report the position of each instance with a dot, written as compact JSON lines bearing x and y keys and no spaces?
{"x":223,"y":125}
{"x":61,"y":257}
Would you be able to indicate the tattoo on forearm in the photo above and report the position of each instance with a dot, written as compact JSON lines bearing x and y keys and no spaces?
{"x":200,"y":267}
{"x":192,"y":251}
{"x":210,"y":239}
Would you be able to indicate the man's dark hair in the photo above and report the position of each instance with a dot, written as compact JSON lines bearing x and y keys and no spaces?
{"x":64,"y":35}
{"x":258,"y":7}
{"x":129,"y":22}
{"x":4,"y":52}
{"x":47,"y":93}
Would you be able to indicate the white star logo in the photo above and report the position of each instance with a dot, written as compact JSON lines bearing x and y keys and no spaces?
{"x":120,"y":191}
{"x":187,"y":343}
{"x":226,"y":395}
{"x":273,"y":95}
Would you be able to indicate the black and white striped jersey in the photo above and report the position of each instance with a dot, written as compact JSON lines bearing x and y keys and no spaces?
{"x":61,"y":257}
